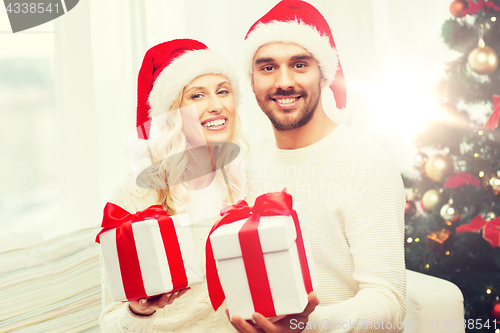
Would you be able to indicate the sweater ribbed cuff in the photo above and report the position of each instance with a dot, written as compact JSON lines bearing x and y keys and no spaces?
{"x":132,"y":322}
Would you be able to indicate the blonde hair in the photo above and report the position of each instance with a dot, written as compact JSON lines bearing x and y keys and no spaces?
{"x":176,"y":170}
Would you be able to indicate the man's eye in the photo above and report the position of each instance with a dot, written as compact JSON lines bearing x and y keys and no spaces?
{"x":267,"y":68}
{"x":300,"y":66}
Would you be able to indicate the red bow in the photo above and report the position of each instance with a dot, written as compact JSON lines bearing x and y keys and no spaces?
{"x":114,"y":216}
{"x":458,"y":179}
{"x":492,"y":121}
{"x":270,"y":204}
{"x":474,"y":7}
{"x":491,"y":229}
{"x":117,"y":217}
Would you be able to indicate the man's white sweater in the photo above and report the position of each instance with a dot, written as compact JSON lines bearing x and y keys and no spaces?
{"x":354,"y":204}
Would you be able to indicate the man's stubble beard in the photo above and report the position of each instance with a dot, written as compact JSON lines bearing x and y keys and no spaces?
{"x":305,"y":114}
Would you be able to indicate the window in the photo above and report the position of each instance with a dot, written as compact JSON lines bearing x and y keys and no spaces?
{"x":29,"y":145}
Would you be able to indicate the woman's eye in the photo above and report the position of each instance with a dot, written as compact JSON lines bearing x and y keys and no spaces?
{"x":196,"y":96}
{"x":223,"y":92}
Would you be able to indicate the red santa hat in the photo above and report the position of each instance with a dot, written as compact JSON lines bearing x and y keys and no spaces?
{"x":166,"y":69}
{"x":298,"y":22}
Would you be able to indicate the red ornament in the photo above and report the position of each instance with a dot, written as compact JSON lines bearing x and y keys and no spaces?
{"x":495,"y":311}
{"x":410,"y":208}
{"x":458,"y":8}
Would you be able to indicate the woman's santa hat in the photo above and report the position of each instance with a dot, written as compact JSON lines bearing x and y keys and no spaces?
{"x":166,"y":69}
{"x":296,"y":21}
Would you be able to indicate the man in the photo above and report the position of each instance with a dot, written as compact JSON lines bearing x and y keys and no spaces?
{"x":353,"y":197}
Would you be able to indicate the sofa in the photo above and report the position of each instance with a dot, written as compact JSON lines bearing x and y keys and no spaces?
{"x":54,"y":286}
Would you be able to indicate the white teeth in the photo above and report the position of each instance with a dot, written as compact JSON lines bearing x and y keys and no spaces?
{"x":287,"y":100}
{"x":218,"y":122}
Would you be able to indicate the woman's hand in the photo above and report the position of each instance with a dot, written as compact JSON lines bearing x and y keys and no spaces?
{"x":148,"y":306}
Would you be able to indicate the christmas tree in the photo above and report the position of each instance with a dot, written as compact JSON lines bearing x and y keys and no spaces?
{"x":453,"y":207}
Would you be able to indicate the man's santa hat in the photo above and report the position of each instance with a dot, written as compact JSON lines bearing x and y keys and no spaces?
{"x":166,"y":69}
{"x":298,"y":22}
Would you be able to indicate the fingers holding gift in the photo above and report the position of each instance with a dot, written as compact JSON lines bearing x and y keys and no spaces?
{"x":142,"y":307}
{"x":244,"y":326}
{"x":148,"y":306}
{"x":176,"y":294}
{"x":276,"y":324}
{"x":313,"y":302}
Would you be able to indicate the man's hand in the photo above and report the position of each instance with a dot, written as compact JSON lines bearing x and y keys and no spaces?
{"x":148,"y":306}
{"x":263,"y":324}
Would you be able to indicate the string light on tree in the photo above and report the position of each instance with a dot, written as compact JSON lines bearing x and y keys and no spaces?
{"x":495,"y":184}
{"x":413,"y":194}
{"x":419,"y":161}
{"x":495,"y":310}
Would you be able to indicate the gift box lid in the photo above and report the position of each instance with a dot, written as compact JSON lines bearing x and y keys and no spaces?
{"x":276,"y":233}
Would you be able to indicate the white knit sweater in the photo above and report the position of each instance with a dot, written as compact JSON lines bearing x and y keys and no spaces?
{"x":354,"y":205}
{"x":191,"y":312}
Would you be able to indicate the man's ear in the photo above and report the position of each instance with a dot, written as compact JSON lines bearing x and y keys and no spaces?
{"x":251,"y":84}
{"x":323,"y":82}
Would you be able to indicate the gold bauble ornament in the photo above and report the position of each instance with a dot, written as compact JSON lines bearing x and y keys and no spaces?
{"x":483,"y":60}
{"x":495,"y":184}
{"x":431,"y":200}
{"x":438,"y":167}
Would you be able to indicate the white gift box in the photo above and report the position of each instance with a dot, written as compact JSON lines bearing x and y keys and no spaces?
{"x":152,"y":257}
{"x":278,"y":240}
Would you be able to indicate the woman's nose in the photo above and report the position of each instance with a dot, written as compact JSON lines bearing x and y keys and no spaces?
{"x":215,"y":105}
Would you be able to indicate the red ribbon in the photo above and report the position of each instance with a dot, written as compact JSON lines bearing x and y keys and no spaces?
{"x":458,"y":179}
{"x":491,"y":229}
{"x":270,"y":204}
{"x":492,"y":121}
{"x":474,"y":7}
{"x":117,"y":217}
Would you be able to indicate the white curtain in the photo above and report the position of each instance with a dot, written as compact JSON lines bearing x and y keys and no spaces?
{"x":100,"y":45}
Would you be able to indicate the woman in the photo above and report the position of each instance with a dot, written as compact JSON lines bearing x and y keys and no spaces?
{"x":192,"y":103}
